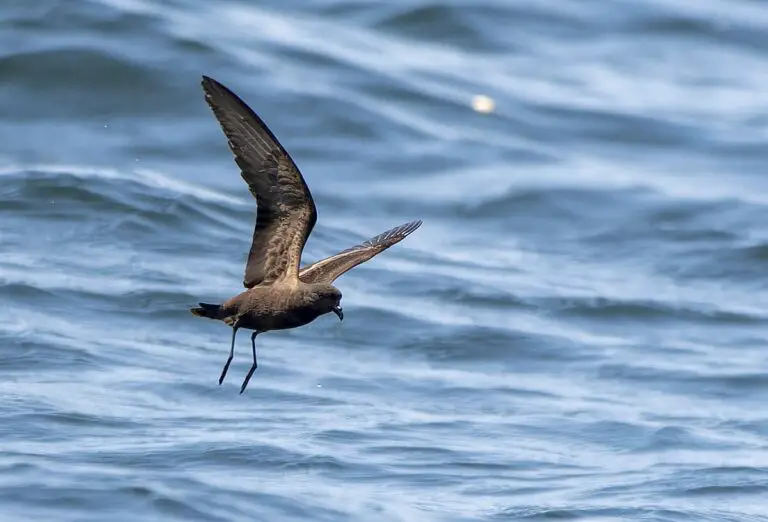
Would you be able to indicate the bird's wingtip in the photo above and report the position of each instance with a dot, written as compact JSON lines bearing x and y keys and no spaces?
{"x":209,"y":83}
{"x":412,"y":226}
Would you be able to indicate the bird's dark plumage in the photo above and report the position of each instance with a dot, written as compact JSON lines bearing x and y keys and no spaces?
{"x":211,"y":311}
{"x":330,"y":268}
{"x":286,"y":212}
{"x":279,"y":295}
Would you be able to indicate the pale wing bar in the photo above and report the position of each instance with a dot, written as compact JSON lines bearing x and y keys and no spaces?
{"x":286,"y":212}
{"x":330,"y":268}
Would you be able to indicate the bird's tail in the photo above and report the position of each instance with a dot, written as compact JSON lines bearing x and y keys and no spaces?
{"x":211,"y":311}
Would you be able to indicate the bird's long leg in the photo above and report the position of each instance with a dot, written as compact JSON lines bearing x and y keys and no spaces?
{"x":231,"y":354}
{"x":255,"y":364}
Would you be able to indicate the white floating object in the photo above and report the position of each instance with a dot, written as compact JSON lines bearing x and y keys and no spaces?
{"x":483,"y":103}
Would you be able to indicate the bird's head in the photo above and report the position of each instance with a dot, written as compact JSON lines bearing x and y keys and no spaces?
{"x":328,"y":299}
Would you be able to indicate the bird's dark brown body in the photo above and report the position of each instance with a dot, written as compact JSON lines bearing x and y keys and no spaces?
{"x":277,"y":307}
{"x":280,"y":294}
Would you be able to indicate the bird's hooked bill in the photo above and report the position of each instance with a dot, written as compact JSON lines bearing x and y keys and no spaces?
{"x":338,"y":311}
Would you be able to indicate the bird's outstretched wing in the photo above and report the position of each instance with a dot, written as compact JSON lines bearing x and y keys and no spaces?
{"x":286,"y":212}
{"x":330,"y":268}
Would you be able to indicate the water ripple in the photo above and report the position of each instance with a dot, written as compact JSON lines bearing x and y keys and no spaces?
{"x":576,"y":332}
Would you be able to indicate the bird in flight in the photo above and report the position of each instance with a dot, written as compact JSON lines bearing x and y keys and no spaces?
{"x":279,"y":293}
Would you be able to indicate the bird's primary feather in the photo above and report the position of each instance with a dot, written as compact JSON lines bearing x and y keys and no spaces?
{"x":330,"y":268}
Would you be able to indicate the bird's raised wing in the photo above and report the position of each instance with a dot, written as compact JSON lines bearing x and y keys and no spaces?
{"x":330,"y":268}
{"x":286,"y":212}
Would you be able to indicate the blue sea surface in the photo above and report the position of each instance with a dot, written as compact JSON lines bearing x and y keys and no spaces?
{"x":578,"y":331}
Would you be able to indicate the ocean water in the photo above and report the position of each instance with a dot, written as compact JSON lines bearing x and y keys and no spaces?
{"x":579,"y":330}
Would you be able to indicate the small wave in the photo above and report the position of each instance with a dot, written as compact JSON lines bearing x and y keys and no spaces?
{"x":645,"y":310}
{"x":146,"y":177}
